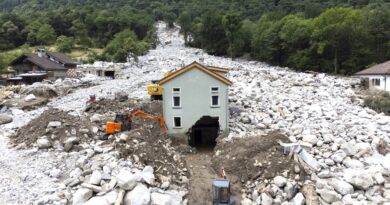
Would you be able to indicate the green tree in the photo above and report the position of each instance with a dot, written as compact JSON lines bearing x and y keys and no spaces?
{"x":124,"y":44}
{"x":185,"y":23}
{"x":339,"y":32}
{"x":232,"y":25}
{"x":65,"y":44}
{"x":212,"y":34}
{"x":40,"y":34}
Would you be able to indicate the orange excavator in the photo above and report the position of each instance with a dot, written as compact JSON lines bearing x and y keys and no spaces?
{"x":122,"y":122}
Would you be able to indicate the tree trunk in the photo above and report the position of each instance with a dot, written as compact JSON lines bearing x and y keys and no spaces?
{"x":336,"y":63}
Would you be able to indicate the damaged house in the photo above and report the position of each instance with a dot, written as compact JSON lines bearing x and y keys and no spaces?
{"x":376,"y":77}
{"x":196,"y":101}
{"x":30,"y":68}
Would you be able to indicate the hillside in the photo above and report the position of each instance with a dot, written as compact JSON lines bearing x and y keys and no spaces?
{"x":340,"y":37}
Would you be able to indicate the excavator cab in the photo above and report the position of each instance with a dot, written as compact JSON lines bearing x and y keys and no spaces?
{"x":155,"y":90}
{"x":221,"y":192}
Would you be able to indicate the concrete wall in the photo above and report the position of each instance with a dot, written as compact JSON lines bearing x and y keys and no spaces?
{"x":384,"y":82}
{"x":195,"y":96}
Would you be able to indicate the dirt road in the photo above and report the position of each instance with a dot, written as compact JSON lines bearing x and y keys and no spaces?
{"x":202,"y":175}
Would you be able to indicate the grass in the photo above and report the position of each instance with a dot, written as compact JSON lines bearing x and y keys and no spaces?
{"x":378,"y":101}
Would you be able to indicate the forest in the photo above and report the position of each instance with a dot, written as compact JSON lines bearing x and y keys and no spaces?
{"x":333,"y":36}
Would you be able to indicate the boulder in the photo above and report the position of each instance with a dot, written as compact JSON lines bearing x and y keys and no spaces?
{"x":30,"y":98}
{"x":81,"y":196}
{"x":280,"y":181}
{"x":147,"y":175}
{"x":341,"y":187}
{"x":126,"y":180}
{"x":96,"y":118}
{"x":43,"y":143}
{"x":96,"y":177}
{"x":361,"y":181}
{"x":54,"y":124}
{"x":299,"y":199}
{"x":97,"y":200}
{"x":140,"y":195}
{"x":312,"y":139}
{"x":4,"y":119}
{"x":160,"y":199}
{"x":338,"y":156}
{"x":329,"y":196}
{"x":121,"y":96}
{"x":266,"y":199}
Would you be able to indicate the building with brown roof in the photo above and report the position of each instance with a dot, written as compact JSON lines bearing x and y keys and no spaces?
{"x":52,"y":64}
{"x":378,"y":76}
{"x":195,"y":101}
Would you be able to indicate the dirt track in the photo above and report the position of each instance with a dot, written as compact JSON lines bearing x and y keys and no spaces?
{"x":202,"y":176}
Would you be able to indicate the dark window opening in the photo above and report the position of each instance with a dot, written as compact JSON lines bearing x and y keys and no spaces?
{"x":177,"y":121}
{"x":376,"y":82}
{"x":110,"y":74}
{"x":215,"y":100}
{"x":176,"y":89}
{"x":214,"y":89}
{"x":176,"y":101}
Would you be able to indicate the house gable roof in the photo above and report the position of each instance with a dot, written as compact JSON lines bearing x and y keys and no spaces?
{"x":195,"y":65}
{"x":41,"y":62}
{"x":218,"y":69}
{"x":61,"y":57}
{"x":380,"y":69}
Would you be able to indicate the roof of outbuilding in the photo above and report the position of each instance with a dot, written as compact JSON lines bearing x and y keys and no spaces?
{"x":380,"y":69}
{"x":218,"y":69}
{"x":61,"y":57}
{"x":42,"y":62}
{"x":197,"y":66}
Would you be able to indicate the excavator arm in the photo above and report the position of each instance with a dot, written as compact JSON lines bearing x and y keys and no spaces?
{"x":119,"y":124}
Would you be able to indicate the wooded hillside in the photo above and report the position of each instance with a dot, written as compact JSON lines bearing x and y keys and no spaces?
{"x":329,"y":36}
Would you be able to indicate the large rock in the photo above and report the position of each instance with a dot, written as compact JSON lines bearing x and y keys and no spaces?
{"x":299,"y":199}
{"x":341,"y":187}
{"x":147,"y":175}
{"x":4,"y":119}
{"x":97,"y":200}
{"x":30,"y":98}
{"x":121,"y":96}
{"x":266,"y":199}
{"x":81,"y":196}
{"x":54,"y":124}
{"x":160,"y":199}
{"x":312,"y":139}
{"x":126,"y":180}
{"x":329,"y":196}
{"x":43,"y":143}
{"x":361,"y":181}
{"x":140,"y":195}
{"x":338,"y":156}
{"x":280,"y":181}
{"x":96,"y":177}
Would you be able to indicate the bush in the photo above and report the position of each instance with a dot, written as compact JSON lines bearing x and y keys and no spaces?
{"x":378,"y":101}
{"x":65,"y":44}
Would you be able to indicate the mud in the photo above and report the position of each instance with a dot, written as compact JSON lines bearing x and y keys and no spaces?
{"x":105,"y":105}
{"x":38,"y":127}
{"x":252,"y":157}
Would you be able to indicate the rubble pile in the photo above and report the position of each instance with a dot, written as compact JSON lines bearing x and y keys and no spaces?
{"x":321,"y":112}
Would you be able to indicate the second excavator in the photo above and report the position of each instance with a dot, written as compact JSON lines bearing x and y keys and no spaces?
{"x":123,"y":122}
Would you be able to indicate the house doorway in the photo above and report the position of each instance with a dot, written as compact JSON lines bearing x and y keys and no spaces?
{"x":204,"y":133}
{"x":110,"y":74}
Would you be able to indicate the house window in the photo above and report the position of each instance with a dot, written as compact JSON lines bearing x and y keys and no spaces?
{"x":214,"y":96}
{"x":376,"y":82}
{"x":176,"y":101}
{"x":176,"y":90}
{"x":176,"y":122}
{"x":215,"y":100}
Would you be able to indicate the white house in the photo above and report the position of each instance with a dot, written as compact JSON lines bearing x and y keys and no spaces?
{"x":195,"y":101}
{"x":378,"y":76}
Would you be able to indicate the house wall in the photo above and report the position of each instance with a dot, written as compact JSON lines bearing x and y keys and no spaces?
{"x":384,"y":82}
{"x":54,"y":75}
{"x":22,"y":68}
{"x":195,"y":96}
